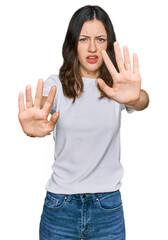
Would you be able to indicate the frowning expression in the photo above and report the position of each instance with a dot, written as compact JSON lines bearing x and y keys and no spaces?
{"x":92,"y":40}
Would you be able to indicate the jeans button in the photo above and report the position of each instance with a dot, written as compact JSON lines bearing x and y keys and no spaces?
{"x":83,"y":195}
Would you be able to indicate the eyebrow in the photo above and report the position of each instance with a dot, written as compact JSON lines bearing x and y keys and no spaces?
{"x":96,"y":36}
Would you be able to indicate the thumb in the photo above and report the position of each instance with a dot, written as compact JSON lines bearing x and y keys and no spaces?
{"x":101,"y":82}
{"x":53,"y":120}
{"x":108,"y":90}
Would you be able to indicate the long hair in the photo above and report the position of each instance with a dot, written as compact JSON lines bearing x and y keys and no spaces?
{"x":69,"y":72}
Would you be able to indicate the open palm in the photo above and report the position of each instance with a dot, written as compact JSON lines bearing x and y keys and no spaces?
{"x":126,"y":83}
{"x":33,"y":119}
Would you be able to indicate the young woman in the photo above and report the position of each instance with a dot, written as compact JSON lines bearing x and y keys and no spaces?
{"x":83,"y":199}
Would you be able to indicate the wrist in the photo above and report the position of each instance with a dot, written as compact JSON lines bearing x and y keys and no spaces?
{"x":141,"y":103}
{"x":133,"y":104}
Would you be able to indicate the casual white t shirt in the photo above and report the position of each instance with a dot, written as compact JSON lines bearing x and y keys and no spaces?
{"x":87,"y":141}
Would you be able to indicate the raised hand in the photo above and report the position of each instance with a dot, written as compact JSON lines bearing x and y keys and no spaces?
{"x":33,"y":119}
{"x":127,"y":83}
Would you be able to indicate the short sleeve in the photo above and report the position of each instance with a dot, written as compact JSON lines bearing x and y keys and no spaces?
{"x":48,"y":83}
{"x":129,"y":110}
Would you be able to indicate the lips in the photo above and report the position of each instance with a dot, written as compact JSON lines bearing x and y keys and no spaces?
{"x":92,"y":58}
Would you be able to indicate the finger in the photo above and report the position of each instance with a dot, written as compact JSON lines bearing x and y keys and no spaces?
{"x":29,"y":99}
{"x":110,"y":92}
{"x":118,"y":55}
{"x":52,"y":121}
{"x":21,"y":102}
{"x":135,"y":63}
{"x":39,"y":92}
{"x":49,"y":102}
{"x":127,"y":62}
{"x":109,"y":64}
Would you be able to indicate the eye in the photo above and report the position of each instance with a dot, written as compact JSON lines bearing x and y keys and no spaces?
{"x":101,"y":39}
{"x":83,"y":40}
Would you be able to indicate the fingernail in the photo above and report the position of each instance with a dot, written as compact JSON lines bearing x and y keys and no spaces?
{"x":40,"y":80}
{"x":28,"y":86}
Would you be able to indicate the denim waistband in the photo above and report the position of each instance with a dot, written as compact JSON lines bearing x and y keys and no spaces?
{"x":85,"y":196}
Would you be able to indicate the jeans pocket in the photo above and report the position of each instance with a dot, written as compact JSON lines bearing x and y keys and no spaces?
{"x":110,"y":202}
{"x":54,"y":201}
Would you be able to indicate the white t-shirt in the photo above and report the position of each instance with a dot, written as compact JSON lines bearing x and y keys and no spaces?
{"x":87,"y":141}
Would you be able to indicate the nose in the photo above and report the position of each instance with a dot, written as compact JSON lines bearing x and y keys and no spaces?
{"x":92,"y":46}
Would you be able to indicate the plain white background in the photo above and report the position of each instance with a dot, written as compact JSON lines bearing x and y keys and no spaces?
{"x":32,"y":34}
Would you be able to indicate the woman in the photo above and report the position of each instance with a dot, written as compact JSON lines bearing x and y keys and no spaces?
{"x":83,"y":199}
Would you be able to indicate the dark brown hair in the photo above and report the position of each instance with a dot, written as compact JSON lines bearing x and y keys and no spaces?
{"x":69,"y":72}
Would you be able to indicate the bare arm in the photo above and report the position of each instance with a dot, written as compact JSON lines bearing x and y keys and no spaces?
{"x":141,"y":103}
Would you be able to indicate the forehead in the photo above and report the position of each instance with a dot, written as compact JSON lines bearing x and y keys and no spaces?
{"x":93,"y":27}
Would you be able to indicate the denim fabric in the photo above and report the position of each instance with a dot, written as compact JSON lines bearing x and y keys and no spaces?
{"x":91,"y":216}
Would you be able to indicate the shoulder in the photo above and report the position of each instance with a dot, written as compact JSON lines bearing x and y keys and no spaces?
{"x":53,"y":79}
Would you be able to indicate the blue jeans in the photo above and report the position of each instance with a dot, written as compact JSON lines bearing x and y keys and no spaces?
{"x":83,"y":216}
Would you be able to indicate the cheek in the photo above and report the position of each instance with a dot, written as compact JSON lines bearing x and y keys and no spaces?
{"x":80,"y":51}
{"x":103,"y":46}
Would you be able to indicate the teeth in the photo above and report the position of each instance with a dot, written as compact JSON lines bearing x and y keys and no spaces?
{"x":92,"y":57}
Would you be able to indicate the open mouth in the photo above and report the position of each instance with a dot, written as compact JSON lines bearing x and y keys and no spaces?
{"x":92,"y":58}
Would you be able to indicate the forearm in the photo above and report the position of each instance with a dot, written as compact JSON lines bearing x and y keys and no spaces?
{"x":142,"y":102}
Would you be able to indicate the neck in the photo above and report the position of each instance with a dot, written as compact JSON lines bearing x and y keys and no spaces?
{"x":87,"y":74}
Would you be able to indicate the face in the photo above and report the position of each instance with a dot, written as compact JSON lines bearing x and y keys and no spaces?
{"x":92,"y":40}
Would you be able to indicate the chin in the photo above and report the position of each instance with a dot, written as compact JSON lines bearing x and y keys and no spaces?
{"x":93,"y":68}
